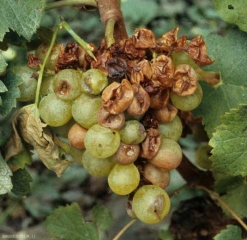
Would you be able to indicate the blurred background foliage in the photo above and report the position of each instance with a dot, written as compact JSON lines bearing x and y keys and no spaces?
{"x":193,"y":17}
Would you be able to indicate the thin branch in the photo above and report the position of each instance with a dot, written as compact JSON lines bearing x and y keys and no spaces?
{"x":120,"y":233}
{"x":42,"y":68}
{"x":216,"y":196}
{"x":109,"y":9}
{"x":64,"y":3}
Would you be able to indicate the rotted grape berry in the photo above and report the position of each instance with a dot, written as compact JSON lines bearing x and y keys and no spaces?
{"x":151,"y":204}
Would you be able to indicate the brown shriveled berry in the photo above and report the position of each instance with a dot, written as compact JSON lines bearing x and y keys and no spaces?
{"x":131,"y":51}
{"x":165,"y":43}
{"x":127,"y":153}
{"x":198,"y":51}
{"x":185,"y":80}
{"x":143,"y":38}
{"x":150,"y":146}
{"x":160,"y":99}
{"x":116,"y":67}
{"x":113,"y":121}
{"x":156,"y":176}
{"x":76,"y":136}
{"x":141,"y":72}
{"x":140,"y":103}
{"x":163,"y":71}
{"x":166,"y":114}
{"x":117,"y":97}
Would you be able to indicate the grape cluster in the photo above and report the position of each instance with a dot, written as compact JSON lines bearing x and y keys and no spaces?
{"x":122,"y":109}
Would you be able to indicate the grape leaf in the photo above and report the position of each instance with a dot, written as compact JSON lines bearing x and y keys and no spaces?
{"x":68,"y":223}
{"x":232,"y":232}
{"x":3,"y":66}
{"x":5,"y":180}
{"x":226,"y":183}
{"x":229,"y":143}
{"x":232,"y":12}
{"x":11,"y":81}
{"x":236,"y":199}
{"x":28,"y":126}
{"x":5,"y":131}
{"x":19,"y":160}
{"x":21,"y":182}
{"x":22,"y":16}
{"x":102,"y":217}
{"x":230,"y":61}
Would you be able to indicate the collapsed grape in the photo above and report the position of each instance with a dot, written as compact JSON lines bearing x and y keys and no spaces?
{"x":127,"y":104}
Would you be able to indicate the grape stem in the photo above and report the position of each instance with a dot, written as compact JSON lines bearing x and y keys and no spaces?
{"x":109,"y":32}
{"x":65,"y":3}
{"x":84,"y":44}
{"x":42,"y":68}
{"x":109,"y":9}
{"x":120,"y":233}
{"x":217,"y":197}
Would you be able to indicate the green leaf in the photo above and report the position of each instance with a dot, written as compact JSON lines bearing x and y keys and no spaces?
{"x":11,"y":81}
{"x":232,"y":12}
{"x":230,"y":61}
{"x":3,"y":66}
{"x":5,"y":131}
{"x":21,"y":182}
{"x":20,"y":160}
{"x":236,"y":199}
{"x":232,"y":232}
{"x":229,"y":143}
{"x":67,"y":223}
{"x":226,"y":183}
{"x":102,"y":217}
{"x":22,"y":16}
{"x":5,"y":180}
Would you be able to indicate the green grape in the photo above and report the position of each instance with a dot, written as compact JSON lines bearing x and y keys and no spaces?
{"x":151,"y":204}
{"x":46,"y":85}
{"x":41,"y":52}
{"x":94,"y":81}
{"x":54,"y":111}
{"x":29,"y":83}
{"x":133,"y":132}
{"x":169,"y":155}
{"x":76,"y":154}
{"x":101,"y":142}
{"x":202,"y":156}
{"x":187,"y":103}
{"x":85,"y":110}
{"x":182,"y":57}
{"x":98,"y":167}
{"x":124,"y":179}
{"x":172,"y":130}
{"x":66,"y":84}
